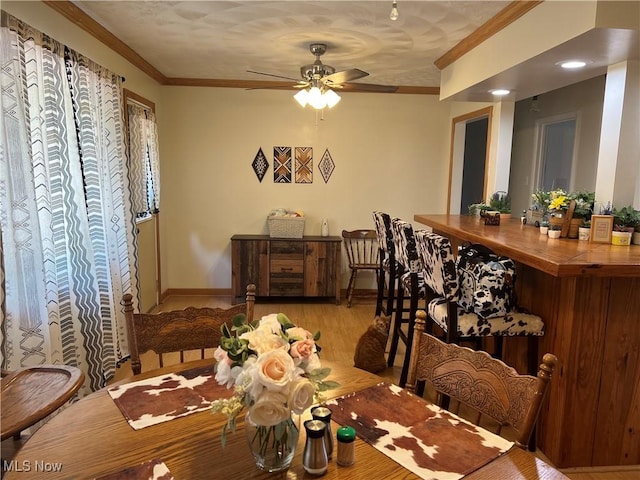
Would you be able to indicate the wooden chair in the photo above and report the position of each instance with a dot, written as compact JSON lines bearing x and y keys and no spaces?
{"x":362,"y":254}
{"x":179,"y":330}
{"x":30,"y":394}
{"x":440,"y":274}
{"x":485,"y":384}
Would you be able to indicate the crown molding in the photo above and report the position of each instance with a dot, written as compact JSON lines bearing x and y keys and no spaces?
{"x":505,"y":17}
{"x":78,"y":17}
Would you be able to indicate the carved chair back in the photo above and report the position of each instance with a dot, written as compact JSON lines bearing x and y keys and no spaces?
{"x":482,"y":383}
{"x":179,"y":330}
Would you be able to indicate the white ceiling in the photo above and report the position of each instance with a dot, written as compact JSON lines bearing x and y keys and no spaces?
{"x":221,"y":40}
{"x":224,"y":39}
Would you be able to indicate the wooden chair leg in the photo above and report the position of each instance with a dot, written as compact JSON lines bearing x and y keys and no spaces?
{"x":397,"y":325}
{"x":391,"y":291}
{"x":351,"y":286}
{"x":381,"y":290}
{"x":413,"y":308}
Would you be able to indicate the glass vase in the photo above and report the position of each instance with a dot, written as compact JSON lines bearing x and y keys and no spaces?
{"x":273,"y":447}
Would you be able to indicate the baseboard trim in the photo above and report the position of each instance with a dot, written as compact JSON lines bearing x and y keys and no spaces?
{"x":601,"y":469}
{"x":187,"y":292}
{"x":226,"y":292}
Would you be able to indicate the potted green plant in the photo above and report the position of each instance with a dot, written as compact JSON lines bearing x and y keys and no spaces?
{"x":584,"y":204}
{"x":626,"y":219}
{"x":583,"y":207}
{"x":478,"y":209}
{"x":541,"y":200}
{"x":544,"y":227}
{"x":554,"y":231}
{"x":501,"y":202}
{"x":584,"y":231}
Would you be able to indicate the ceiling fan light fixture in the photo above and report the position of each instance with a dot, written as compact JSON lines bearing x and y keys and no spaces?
{"x":332,"y":98}
{"x":394,"y":11}
{"x":316,"y":98}
{"x":302,"y":97}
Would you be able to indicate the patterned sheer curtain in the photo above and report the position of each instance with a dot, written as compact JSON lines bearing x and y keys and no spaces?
{"x":66,"y":224}
{"x":144,"y":166}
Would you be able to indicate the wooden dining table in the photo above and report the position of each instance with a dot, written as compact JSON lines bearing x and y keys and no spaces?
{"x":91,"y":438}
{"x":588,"y":295}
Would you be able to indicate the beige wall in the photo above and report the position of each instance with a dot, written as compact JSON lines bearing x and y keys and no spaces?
{"x":390,"y":153}
{"x":585,"y":99}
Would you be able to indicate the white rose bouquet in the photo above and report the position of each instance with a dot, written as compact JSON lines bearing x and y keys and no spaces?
{"x":275,"y":370}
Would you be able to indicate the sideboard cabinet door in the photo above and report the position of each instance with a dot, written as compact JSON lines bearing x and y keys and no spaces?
{"x":322,"y":269}
{"x":249,"y":264}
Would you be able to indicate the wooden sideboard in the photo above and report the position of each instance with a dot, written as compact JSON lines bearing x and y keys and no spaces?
{"x":588,"y":295}
{"x":286,"y":267}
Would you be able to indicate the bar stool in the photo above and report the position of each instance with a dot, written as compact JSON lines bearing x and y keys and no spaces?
{"x":440,"y":274}
{"x":410,"y":287}
{"x":389,"y":267}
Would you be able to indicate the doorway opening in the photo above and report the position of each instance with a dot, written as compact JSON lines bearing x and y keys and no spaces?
{"x":470,"y":134}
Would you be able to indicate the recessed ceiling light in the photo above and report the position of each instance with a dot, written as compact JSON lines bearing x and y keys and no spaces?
{"x":499,"y":92}
{"x":573,"y":64}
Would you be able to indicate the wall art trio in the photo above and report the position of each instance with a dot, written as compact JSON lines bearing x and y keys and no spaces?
{"x":283,"y":165}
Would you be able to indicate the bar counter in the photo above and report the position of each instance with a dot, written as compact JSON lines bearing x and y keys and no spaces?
{"x":588,"y":295}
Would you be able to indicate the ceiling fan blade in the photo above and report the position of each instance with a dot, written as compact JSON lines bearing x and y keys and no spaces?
{"x":344,"y":76}
{"x":272,"y":75}
{"x":368,"y":87}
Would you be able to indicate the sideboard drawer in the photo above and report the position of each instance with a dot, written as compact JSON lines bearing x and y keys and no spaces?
{"x":286,"y":265}
{"x":286,"y":248}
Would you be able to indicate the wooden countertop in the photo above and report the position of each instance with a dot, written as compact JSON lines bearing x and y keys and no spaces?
{"x":561,"y":257}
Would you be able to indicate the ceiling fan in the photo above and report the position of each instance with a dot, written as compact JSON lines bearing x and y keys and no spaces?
{"x":324,"y":77}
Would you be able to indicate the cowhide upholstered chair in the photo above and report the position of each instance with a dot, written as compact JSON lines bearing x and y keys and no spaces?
{"x":440,"y":275}
{"x":485,"y":384}
{"x":388,"y":265}
{"x":410,"y":287}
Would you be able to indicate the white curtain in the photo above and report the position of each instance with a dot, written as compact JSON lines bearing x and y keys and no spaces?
{"x":144,"y":161}
{"x":67,"y":228}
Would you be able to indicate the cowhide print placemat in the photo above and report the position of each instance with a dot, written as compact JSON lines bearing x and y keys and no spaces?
{"x":160,"y":399}
{"x":424,"y":438}
{"x":151,"y":470}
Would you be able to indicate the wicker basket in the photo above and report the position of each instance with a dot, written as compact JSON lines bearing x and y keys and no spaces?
{"x":285,"y":227}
